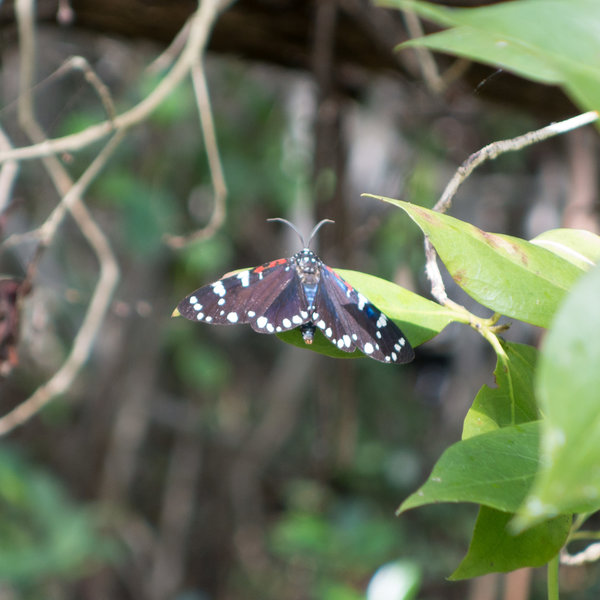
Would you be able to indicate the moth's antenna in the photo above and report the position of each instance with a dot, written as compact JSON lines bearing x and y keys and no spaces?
{"x":292,"y":226}
{"x":313,"y":233}
{"x":317,"y":227}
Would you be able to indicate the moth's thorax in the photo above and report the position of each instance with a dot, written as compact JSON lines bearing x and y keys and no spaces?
{"x":308,"y":266}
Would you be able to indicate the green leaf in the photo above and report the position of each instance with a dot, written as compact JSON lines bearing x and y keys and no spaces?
{"x":495,"y":469}
{"x":494,"y":549}
{"x":419,"y":319}
{"x":553,"y":41}
{"x":568,"y":386}
{"x":578,"y":246}
{"x":507,"y":274}
{"x":493,"y":407}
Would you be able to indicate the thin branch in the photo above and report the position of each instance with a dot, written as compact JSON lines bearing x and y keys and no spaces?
{"x":201,"y":24}
{"x":168,"y":56}
{"x":8,"y":174}
{"x":495,"y":149}
{"x":45,"y":233}
{"x":489,"y":152}
{"x":81,"y":64}
{"x":435,"y":81}
{"x":214,"y":162}
{"x":427,"y":63}
{"x":109,"y":271}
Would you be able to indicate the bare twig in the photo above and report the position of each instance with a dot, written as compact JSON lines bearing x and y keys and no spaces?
{"x":8,"y":174}
{"x":46,"y":232}
{"x":435,"y":81}
{"x":168,"y":56}
{"x":214,"y":162}
{"x":109,"y":272}
{"x":489,"y":152}
{"x":201,"y":23}
{"x":427,"y":63}
{"x":199,"y":26}
{"x":81,"y":64}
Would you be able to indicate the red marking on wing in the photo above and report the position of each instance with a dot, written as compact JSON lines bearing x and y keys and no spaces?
{"x":273,"y":263}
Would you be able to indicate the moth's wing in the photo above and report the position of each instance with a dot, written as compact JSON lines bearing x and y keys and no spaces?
{"x":350,"y":321}
{"x":269,"y":297}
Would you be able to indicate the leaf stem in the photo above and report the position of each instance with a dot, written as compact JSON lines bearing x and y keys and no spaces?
{"x":553,"y":593}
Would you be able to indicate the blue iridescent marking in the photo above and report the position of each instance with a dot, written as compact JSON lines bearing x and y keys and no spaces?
{"x":310,"y":291}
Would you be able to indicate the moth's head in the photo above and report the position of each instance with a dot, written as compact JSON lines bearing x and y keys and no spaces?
{"x":307,"y":261}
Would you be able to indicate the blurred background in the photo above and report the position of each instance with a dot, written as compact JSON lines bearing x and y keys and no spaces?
{"x":193,"y":463}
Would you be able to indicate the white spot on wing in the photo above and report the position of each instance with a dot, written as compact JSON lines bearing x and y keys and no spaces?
{"x":197,"y":306}
{"x":219,"y":288}
{"x":346,"y":339}
{"x":368,"y":348}
{"x":270,"y":328}
{"x":261,"y":321}
{"x":296,"y":319}
{"x":382,"y":321}
{"x":361,"y":301}
{"x":286,"y":323}
{"x":221,"y":301}
{"x":303,"y":314}
{"x":193,"y":300}
{"x":251,"y":313}
{"x":244,"y":277}
{"x":321,"y":324}
{"x":200,"y":316}
{"x":328,"y":332}
{"x":232,"y":317}
{"x":208,"y":319}
{"x":394,"y":356}
{"x":340,"y":343}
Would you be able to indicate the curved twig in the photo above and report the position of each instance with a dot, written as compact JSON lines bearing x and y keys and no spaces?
{"x":486,"y":153}
{"x":214,"y":163}
{"x":201,"y":23}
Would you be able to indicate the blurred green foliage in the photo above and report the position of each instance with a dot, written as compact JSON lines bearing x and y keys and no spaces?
{"x":44,"y":536}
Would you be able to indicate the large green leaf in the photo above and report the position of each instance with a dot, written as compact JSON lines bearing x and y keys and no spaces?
{"x":568,"y":386}
{"x":419,"y":318}
{"x":495,"y":469}
{"x":553,"y":41}
{"x":578,"y":246}
{"x":513,"y":395}
{"x":495,"y":549}
{"x":507,"y":274}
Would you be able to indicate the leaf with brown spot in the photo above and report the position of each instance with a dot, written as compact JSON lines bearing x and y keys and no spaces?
{"x":507,"y":274}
